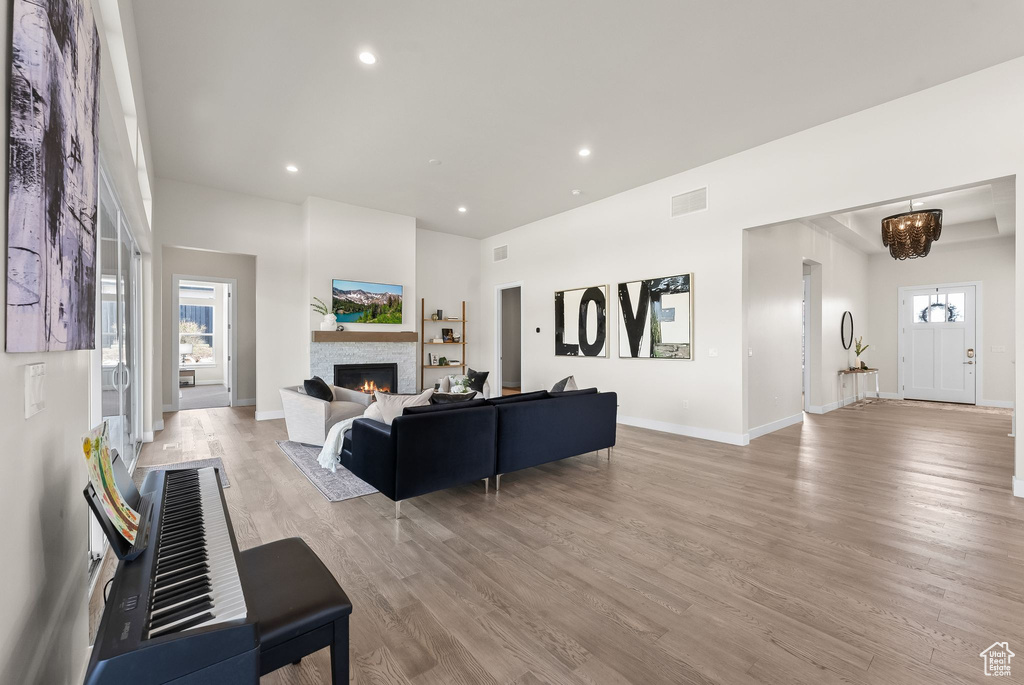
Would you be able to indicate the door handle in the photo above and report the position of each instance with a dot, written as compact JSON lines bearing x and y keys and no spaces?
{"x":968,"y":362}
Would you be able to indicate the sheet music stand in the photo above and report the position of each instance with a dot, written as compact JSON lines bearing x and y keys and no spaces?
{"x":123,"y":480}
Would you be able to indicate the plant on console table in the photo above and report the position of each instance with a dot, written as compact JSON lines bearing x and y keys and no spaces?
{"x":330,"y":322}
{"x":859,"y":348}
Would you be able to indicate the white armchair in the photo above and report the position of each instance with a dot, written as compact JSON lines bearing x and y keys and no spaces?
{"x":309,"y":420}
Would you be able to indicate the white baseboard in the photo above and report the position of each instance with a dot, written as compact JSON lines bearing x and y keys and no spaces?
{"x":158,"y":425}
{"x":147,"y":436}
{"x":1002,"y":404}
{"x":689,"y":431}
{"x":269,"y":415}
{"x":246,"y":403}
{"x":890,"y":396}
{"x":775,"y":425}
{"x":1018,"y":487}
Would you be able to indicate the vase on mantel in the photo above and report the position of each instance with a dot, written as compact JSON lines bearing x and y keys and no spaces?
{"x":329,"y":323}
{"x":856,"y":363}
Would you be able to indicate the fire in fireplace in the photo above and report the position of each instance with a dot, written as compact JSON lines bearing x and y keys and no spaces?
{"x":367,"y":377}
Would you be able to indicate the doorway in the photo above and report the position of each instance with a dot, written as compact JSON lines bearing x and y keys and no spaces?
{"x":509,"y":335}
{"x":205,"y":345}
{"x":938,"y":340}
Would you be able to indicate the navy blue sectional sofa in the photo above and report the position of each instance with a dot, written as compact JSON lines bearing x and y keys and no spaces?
{"x":439,"y":446}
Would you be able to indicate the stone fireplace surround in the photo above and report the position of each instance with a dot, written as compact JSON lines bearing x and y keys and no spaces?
{"x":324,"y":355}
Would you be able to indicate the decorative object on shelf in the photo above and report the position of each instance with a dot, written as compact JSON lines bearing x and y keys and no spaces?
{"x":437,"y":341}
{"x":656,"y":318}
{"x":329,"y":322}
{"x":456,"y":338}
{"x":53,"y":177}
{"x":586,"y":334}
{"x":910,"y":235}
{"x":433,"y":360}
{"x":443,"y":361}
{"x":365,"y":302}
{"x":859,"y":349}
{"x":440,"y":315}
{"x":846,"y":330}
{"x":339,"y":327}
{"x":433,"y":317}
{"x":446,"y":335}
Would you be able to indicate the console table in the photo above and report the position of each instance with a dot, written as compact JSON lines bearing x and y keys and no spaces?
{"x":184,"y":374}
{"x":856,"y":373}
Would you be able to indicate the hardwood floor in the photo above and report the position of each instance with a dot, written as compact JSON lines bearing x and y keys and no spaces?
{"x":875,"y":544}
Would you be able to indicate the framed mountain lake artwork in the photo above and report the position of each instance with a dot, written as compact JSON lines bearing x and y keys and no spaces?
{"x":363,"y":302}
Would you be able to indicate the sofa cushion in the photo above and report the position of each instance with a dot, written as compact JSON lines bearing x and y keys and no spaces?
{"x":571,"y":393}
{"x":346,"y":443}
{"x":391,"y":406}
{"x":316,"y":387}
{"x":431,"y":408}
{"x":523,"y":397}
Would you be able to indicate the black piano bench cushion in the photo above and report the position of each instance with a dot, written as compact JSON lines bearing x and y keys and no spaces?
{"x":291,"y":591}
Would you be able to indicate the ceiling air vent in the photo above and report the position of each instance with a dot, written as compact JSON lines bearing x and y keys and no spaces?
{"x":688,"y":203}
{"x":501,"y":253}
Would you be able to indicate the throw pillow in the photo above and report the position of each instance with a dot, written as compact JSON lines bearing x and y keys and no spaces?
{"x":373,"y":412}
{"x":443,"y":385}
{"x":450,"y":397}
{"x":316,"y":387}
{"x":567,"y":383}
{"x":477,"y":379}
{"x":392,"y":405}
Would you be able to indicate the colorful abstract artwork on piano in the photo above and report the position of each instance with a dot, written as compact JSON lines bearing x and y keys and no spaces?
{"x":96,"y":447}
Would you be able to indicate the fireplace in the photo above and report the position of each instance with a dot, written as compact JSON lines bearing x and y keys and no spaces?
{"x":367,"y":377}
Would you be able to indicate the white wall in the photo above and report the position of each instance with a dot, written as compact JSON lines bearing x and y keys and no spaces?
{"x":359,"y":244}
{"x":187,"y":215}
{"x":448,"y":272}
{"x":511,"y":337}
{"x":242,"y":268}
{"x":992,"y":262}
{"x":774,"y":292}
{"x":835,"y":166}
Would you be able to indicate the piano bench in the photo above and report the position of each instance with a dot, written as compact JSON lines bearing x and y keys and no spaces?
{"x":298,"y":606}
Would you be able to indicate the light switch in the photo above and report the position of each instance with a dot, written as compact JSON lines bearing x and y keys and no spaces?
{"x":712,"y":351}
{"x":750,"y":351}
{"x":999,"y":348}
{"x":35,"y":400}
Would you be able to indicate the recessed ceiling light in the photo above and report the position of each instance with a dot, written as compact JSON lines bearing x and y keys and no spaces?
{"x":577,"y":191}
{"x":462,"y":210}
{"x":292,"y":169}
{"x":367,"y":58}
{"x":584,"y":152}
{"x":435,"y":162}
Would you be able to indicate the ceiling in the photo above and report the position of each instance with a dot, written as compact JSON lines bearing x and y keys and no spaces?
{"x":504,"y":94}
{"x":985,"y":210}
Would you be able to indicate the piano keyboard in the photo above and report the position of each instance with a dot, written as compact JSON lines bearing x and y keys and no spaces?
{"x":195,"y":581}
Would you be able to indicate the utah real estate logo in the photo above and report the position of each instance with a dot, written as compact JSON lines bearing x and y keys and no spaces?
{"x":997,"y":659}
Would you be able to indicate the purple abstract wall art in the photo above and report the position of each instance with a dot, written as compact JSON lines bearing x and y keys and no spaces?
{"x":53,"y":176}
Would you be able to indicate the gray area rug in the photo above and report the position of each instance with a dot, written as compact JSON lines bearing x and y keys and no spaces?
{"x":336,"y":487}
{"x":141,"y":471}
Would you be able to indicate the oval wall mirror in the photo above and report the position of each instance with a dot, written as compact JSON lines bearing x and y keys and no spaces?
{"x":846,"y":330}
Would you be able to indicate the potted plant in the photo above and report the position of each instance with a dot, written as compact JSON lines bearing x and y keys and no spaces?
{"x":859,"y":349}
{"x":330,"y":321}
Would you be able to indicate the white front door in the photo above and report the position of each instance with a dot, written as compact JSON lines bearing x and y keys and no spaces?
{"x":940,"y":355}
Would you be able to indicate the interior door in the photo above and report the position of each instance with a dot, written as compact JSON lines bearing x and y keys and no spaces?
{"x":940,"y":354}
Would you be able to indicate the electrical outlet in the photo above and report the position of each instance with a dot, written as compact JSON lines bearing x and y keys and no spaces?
{"x":999,"y":348}
{"x":712,"y":351}
{"x":686,"y":404}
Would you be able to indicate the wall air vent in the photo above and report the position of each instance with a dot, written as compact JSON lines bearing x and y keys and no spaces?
{"x":688,"y":203}
{"x":501,"y":253}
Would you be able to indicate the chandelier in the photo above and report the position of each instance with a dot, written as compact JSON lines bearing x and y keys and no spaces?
{"x":910,"y":235}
